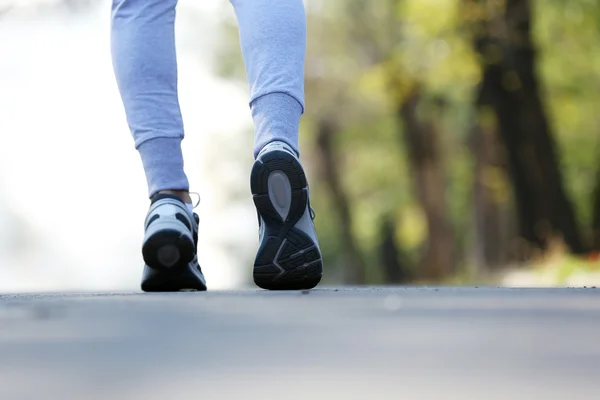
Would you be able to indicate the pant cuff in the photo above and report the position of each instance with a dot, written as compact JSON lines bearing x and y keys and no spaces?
{"x":276,"y":118}
{"x":163,"y":164}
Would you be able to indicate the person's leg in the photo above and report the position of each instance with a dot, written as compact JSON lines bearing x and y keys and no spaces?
{"x":145,"y":66}
{"x":273,"y":41}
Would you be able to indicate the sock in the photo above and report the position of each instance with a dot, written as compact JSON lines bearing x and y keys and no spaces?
{"x":273,"y":41}
{"x":145,"y":67}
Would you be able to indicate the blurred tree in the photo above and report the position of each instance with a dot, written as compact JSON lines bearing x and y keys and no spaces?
{"x":384,"y":36}
{"x":493,"y":212}
{"x":595,"y":228}
{"x":424,"y":150}
{"x":395,"y":271}
{"x":568,"y":34}
{"x":355,"y":37}
{"x":509,"y":95}
{"x":355,"y":269}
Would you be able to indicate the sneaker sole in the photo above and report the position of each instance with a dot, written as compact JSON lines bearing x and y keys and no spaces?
{"x":167,"y":248}
{"x":183,"y":277}
{"x":287,"y":258}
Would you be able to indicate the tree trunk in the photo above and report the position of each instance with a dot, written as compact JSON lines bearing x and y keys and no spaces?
{"x":354,"y":264}
{"x":595,"y":229}
{"x":491,"y":205}
{"x":510,"y":88}
{"x":394,"y":270}
{"x":424,"y":152}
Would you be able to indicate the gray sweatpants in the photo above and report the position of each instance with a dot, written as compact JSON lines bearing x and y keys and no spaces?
{"x":273,"y":42}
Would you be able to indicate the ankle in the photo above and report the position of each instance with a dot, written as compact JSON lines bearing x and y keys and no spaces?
{"x":184,"y":195}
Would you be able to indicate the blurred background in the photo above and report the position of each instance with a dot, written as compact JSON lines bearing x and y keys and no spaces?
{"x":446,"y":142}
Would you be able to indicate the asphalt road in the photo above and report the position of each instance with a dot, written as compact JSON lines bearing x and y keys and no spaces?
{"x":379,"y":343}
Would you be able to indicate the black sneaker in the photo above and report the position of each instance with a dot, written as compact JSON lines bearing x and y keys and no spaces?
{"x":169,"y":248}
{"x":288,"y":257}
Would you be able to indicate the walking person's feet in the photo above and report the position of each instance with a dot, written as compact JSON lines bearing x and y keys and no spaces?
{"x":170,"y":246}
{"x":273,"y":43}
{"x":288,"y":257}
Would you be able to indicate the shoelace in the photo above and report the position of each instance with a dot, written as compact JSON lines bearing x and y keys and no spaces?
{"x":198,"y":202}
{"x":311,"y":211}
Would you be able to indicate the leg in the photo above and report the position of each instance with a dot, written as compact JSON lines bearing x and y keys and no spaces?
{"x":145,"y":66}
{"x":273,"y":40}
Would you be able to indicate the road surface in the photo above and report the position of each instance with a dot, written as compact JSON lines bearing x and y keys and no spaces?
{"x":329,"y":343}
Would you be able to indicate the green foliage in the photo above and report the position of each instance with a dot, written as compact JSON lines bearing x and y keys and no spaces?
{"x":568,"y":37}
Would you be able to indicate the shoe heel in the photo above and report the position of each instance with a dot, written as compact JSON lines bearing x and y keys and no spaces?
{"x":278,"y":178}
{"x":167,"y":248}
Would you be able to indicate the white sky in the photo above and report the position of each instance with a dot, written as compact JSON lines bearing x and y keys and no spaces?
{"x":65,"y":148}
